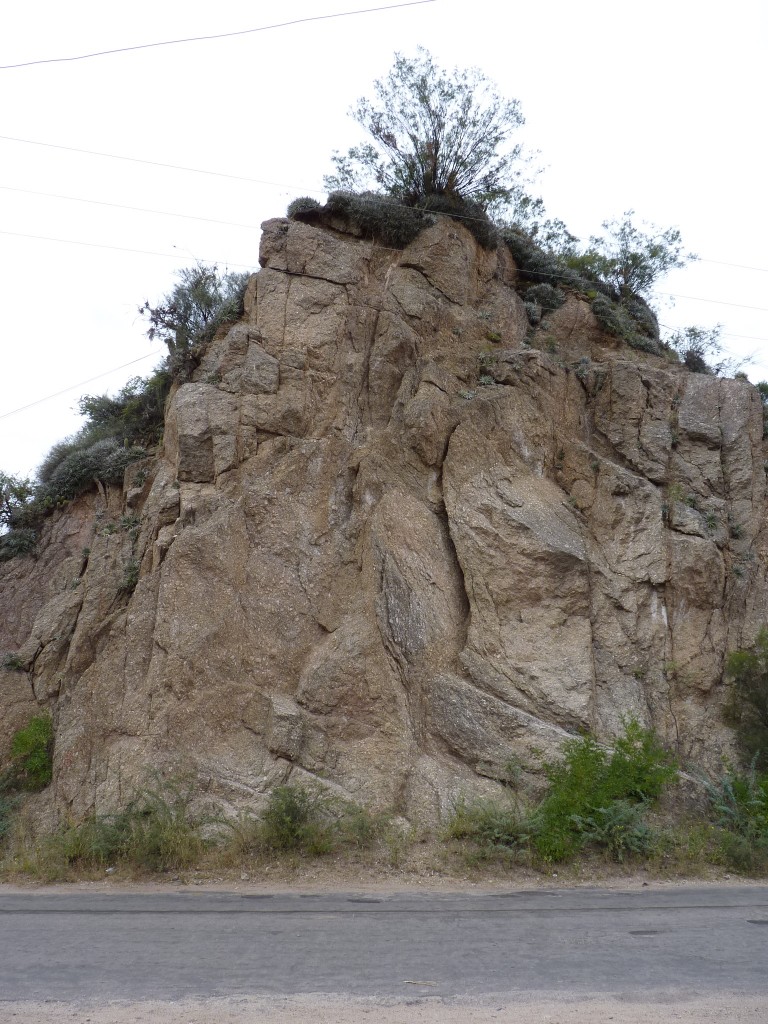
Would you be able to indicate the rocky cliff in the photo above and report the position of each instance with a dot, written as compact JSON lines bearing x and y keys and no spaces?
{"x":398,"y":540}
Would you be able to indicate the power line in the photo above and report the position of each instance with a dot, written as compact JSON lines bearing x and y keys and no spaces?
{"x":152,"y":163}
{"x":298,"y":189}
{"x":120,"y":248}
{"x":133,"y":209}
{"x":72,"y":387}
{"x":717,"y":302}
{"x":219,"y":35}
{"x":247,"y":266}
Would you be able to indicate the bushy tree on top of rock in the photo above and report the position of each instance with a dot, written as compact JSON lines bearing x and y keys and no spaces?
{"x":435,"y":133}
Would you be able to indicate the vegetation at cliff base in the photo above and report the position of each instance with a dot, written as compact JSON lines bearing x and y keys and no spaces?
{"x":596,"y":799}
{"x":747,"y":707}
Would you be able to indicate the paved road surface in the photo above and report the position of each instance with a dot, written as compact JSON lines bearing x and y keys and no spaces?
{"x":76,"y":946}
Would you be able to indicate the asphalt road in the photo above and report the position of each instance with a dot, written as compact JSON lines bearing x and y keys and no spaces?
{"x":117,"y":946}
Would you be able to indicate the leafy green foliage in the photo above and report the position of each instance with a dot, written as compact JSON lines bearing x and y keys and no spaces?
{"x":587,"y":783}
{"x":596,"y":798}
{"x":494,"y":825}
{"x":187,"y":318}
{"x":632,"y":260}
{"x":433,"y":132}
{"x":135,"y":415}
{"x":117,"y":432}
{"x":747,"y":708}
{"x":158,"y":830}
{"x":739,"y":806}
{"x":31,"y":751}
{"x":762,"y":390}
{"x":618,"y":828}
{"x":629,"y":320}
{"x":104,"y":460}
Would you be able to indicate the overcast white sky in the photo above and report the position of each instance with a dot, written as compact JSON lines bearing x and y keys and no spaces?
{"x":659,"y":107}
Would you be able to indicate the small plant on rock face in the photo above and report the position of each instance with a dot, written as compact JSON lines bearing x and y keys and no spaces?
{"x":31,"y":751}
{"x":130,"y":576}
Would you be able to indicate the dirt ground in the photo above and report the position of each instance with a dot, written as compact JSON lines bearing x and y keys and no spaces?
{"x":724,"y":1009}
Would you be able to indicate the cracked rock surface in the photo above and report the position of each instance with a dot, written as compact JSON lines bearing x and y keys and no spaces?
{"x":384,"y":549}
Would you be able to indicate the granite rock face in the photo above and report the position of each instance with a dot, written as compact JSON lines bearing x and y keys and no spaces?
{"x":382,"y":548}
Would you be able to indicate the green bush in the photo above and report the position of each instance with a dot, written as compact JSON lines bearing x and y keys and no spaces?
{"x":618,"y":828}
{"x":493,"y":824}
{"x":588,"y":782}
{"x":546,"y":296}
{"x":31,"y":751}
{"x":595,"y":799}
{"x":738,"y":804}
{"x":630,"y":319}
{"x":85,"y":463}
{"x":747,"y":707}
{"x":380,"y":217}
{"x":297,"y":819}
{"x":187,"y":318}
{"x":156,"y":831}
{"x":302,"y":204}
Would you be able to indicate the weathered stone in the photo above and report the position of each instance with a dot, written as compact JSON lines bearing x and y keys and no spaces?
{"x":395,"y":543}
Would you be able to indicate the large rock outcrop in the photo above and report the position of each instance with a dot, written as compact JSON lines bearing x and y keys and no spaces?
{"x":383,"y":548}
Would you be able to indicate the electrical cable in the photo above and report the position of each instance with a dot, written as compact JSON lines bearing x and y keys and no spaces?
{"x":80,"y":384}
{"x":298,"y":189}
{"x":218,"y":35}
{"x":152,"y":163}
{"x":120,"y":248}
{"x":133,"y":209}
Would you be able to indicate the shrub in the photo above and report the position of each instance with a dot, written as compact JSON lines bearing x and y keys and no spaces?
{"x":747,"y":707}
{"x":31,"y":751}
{"x":546,"y":296}
{"x":157,"y":831}
{"x":471,"y":215}
{"x":434,"y":132}
{"x":739,"y":807}
{"x":586,"y":784}
{"x":623,"y":320}
{"x":103,"y":460}
{"x":17,"y":542}
{"x":301,"y":205}
{"x":701,"y":351}
{"x":643,"y":317}
{"x":187,"y":318}
{"x":380,"y":217}
{"x":492,"y":824}
{"x":296,"y":819}
{"x":135,"y":416}
{"x":618,"y":828}
{"x":631,"y":260}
